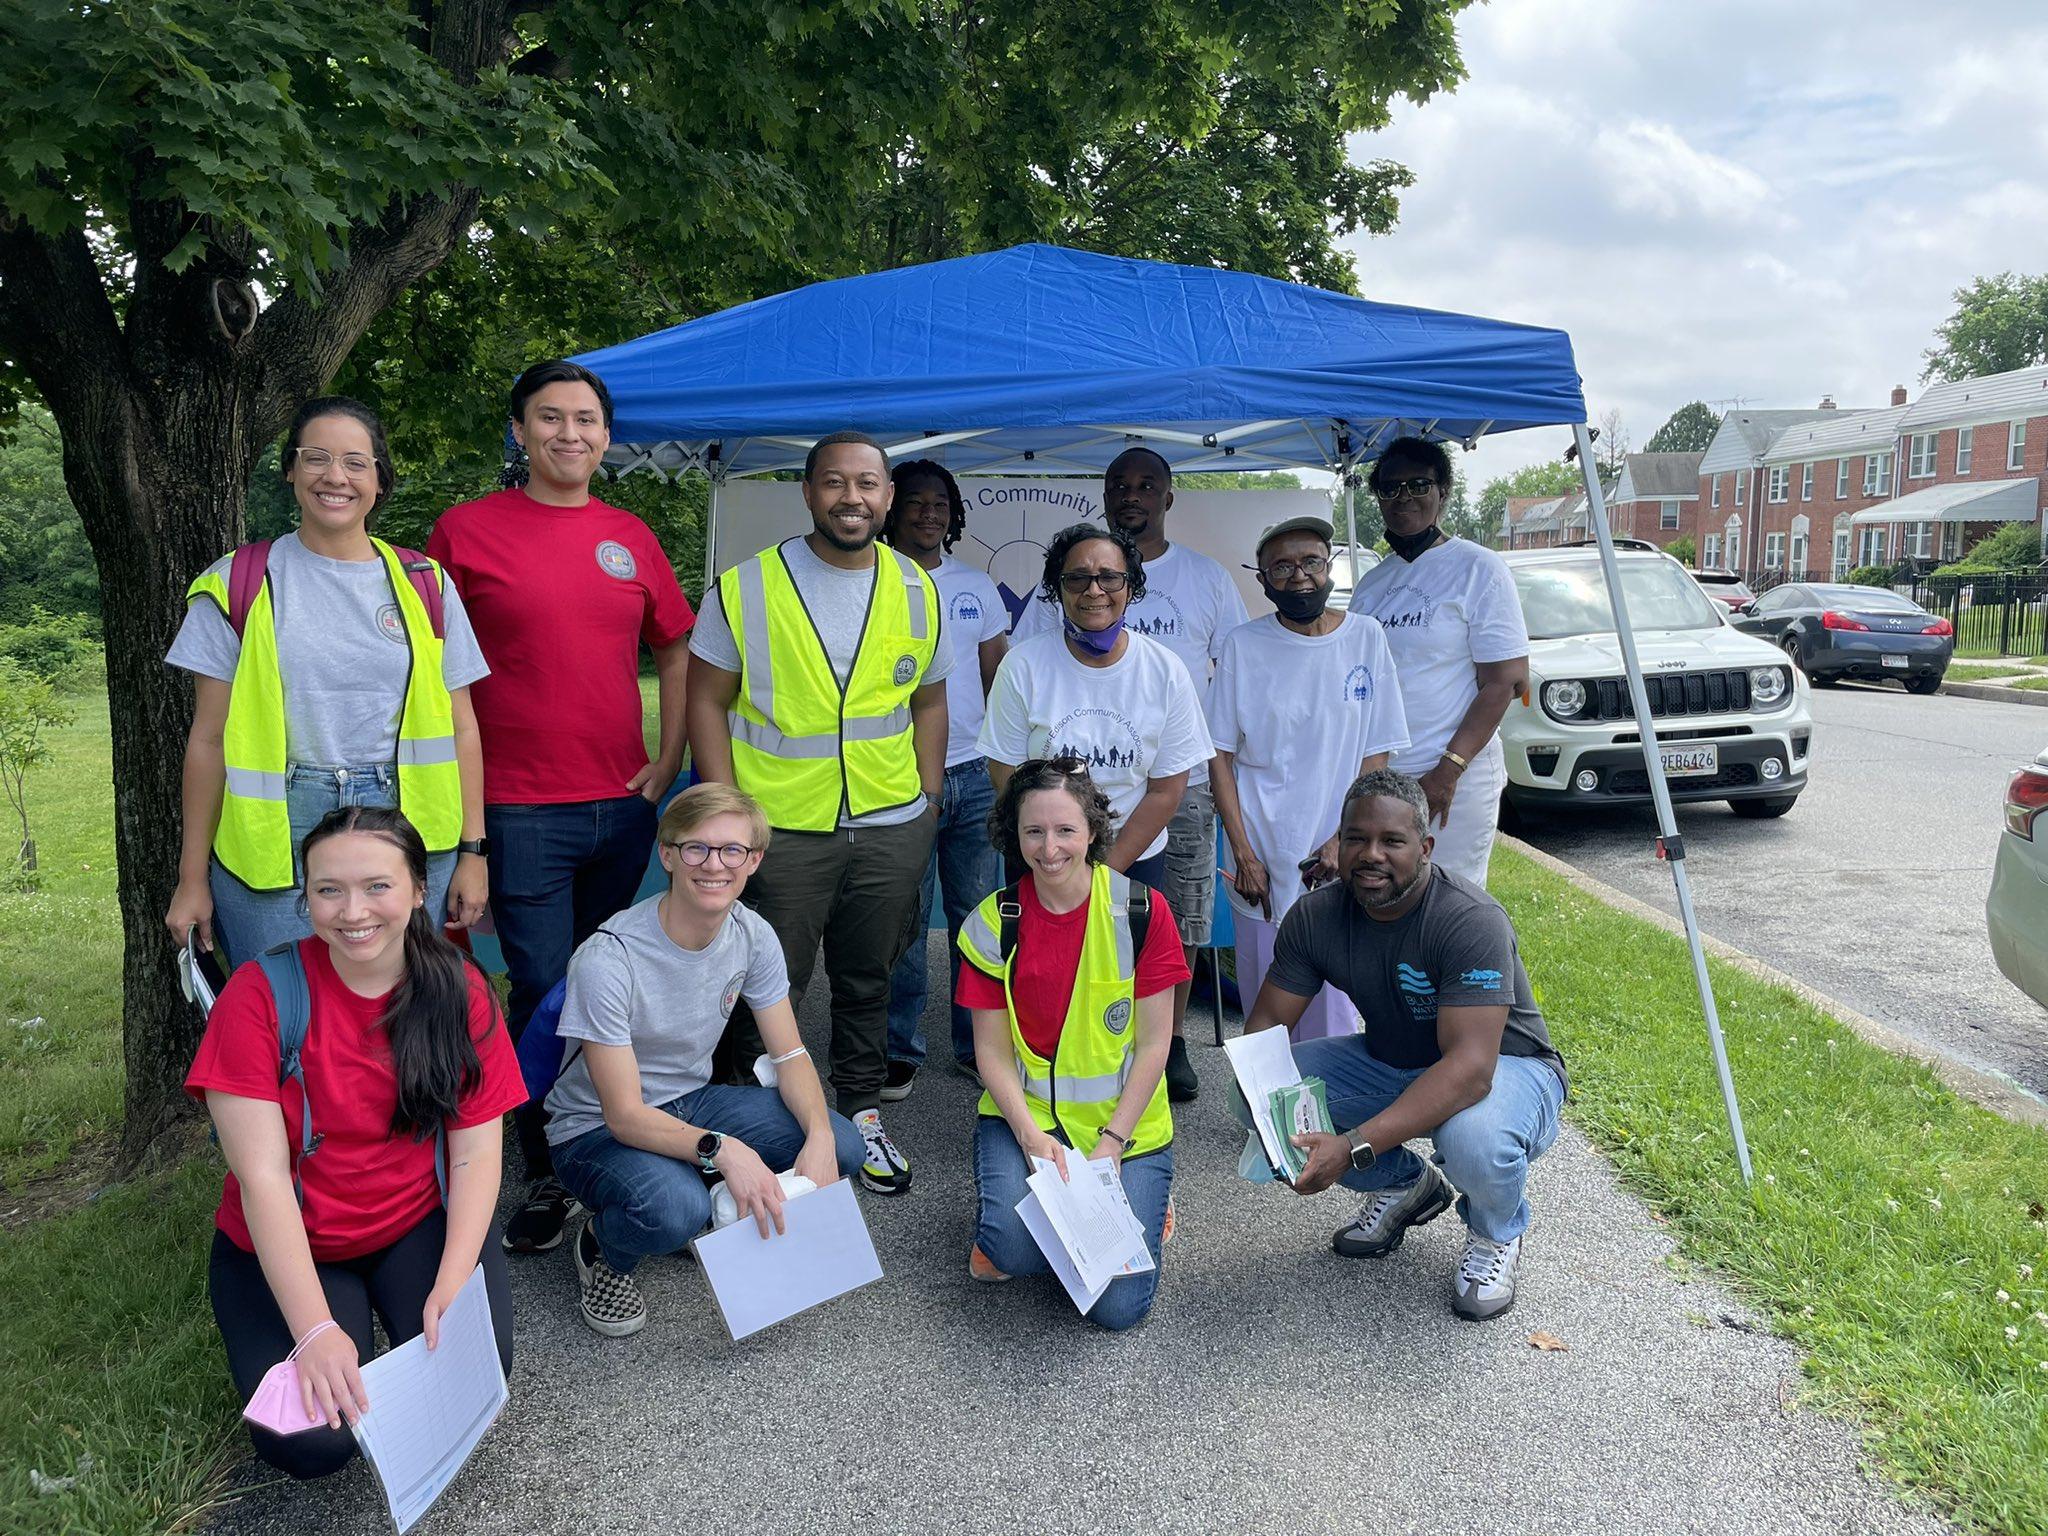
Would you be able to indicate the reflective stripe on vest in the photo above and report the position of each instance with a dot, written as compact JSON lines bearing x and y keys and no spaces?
{"x":1078,"y":1090}
{"x":804,"y":745}
{"x":253,"y":839}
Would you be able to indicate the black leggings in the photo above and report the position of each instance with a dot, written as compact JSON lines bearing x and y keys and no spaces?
{"x":395,"y":1281}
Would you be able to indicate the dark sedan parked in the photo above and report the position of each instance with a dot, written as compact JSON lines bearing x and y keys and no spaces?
{"x":1834,"y":631}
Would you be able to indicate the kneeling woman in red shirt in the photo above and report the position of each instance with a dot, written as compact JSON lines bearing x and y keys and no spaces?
{"x":1069,"y":975}
{"x":404,"y":1041}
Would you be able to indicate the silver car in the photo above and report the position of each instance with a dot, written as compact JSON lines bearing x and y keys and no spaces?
{"x":2017,"y":910}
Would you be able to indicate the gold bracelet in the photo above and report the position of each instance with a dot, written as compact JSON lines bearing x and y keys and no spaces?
{"x":1462,"y":762}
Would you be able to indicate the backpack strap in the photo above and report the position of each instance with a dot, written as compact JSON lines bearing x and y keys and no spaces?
{"x":247,"y":569}
{"x":1139,"y":909}
{"x":1009,"y":908}
{"x":285,"y":971}
{"x":426,"y":580}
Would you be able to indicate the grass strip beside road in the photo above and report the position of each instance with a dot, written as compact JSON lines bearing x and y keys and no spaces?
{"x":1896,"y":1233}
{"x":1974,"y":672}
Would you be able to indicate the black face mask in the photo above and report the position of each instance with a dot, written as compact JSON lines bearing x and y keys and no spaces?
{"x":1409,"y":545}
{"x":1299,"y":607}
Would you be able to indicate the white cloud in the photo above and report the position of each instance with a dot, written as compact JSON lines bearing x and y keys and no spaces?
{"x":1651,"y":170}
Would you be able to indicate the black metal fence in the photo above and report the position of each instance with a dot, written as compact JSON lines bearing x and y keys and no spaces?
{"x":2005,"y":614}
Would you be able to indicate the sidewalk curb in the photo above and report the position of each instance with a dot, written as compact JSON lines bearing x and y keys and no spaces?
{"x":1996,"y":692}
{"x":1987,"y":1090}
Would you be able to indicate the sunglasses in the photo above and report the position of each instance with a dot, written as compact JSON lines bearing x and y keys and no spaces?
{"x":1405,"y":490}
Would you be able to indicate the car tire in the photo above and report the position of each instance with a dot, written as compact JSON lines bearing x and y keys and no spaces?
{"x":1924,"y":684}
{"x":1763,"y":809}
{"x":1789,"y":644}
{"x":1511,"y":820}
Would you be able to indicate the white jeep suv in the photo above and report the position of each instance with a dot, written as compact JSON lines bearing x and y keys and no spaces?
{"x":1734,"y":718}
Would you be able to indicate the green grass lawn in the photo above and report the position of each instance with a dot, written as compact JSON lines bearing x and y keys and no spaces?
{"x":2036,"y":682}
{"x":1975,"y":672}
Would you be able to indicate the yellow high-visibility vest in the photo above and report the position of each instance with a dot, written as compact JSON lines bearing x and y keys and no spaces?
{"x":253,"y":839}
{"x":804,"y":747}
{"x":1076,"y":1092}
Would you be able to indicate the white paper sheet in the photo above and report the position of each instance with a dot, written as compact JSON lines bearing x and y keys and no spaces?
{"x":822,"y":1251}
{"x":1091,"y":1218}
{"x":429,"y":1408}
{"x":1263,"y":1062}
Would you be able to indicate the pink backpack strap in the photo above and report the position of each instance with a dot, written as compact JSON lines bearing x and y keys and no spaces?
{"x":424,"y":581}
{"x":246,"y":570}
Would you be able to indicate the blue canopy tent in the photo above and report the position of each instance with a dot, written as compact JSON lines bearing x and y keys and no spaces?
{"x":1039,"y":359}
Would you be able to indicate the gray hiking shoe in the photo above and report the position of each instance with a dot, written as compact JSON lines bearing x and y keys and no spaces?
{"x":1485,"y":1283}
{"x":1385,"y":1218}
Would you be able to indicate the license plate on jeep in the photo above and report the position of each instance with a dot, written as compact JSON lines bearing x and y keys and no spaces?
{"x":1689,"y":762}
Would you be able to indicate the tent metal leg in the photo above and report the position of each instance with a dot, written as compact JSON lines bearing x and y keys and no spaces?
{"x":711,"y":535}
{"x":1671,"y":845}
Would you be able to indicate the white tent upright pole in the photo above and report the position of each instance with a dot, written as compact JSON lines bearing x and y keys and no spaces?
{"x":711,"y":530}
{"x":1660,"y":792}
{"x":1350,"y":526}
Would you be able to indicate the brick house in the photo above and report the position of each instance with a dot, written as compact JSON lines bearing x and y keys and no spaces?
{"x":1817,"y":475}
{"x":1732,"y":475}
{"x":1653,"y":496}
{"x":1540,"y":522}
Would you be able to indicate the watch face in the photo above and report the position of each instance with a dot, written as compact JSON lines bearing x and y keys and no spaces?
{"x":1363,"y":1157}
{"x":707,"y":1145}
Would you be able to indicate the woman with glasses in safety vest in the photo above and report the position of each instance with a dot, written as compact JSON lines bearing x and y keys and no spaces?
{"x":1069,"y":975}
{"x":330,"y":669}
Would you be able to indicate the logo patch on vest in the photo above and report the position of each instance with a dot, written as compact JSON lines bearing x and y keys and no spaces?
{"x":731,"y":995}
{"x":1117,"y":1016}
{"x":906,"y":669}
{"x":614,"y":559}
{"x":390,"y":623}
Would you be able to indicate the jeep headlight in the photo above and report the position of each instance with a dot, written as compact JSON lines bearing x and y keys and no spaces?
{"x":1564,"y":699}
{"x":1766,"y":685}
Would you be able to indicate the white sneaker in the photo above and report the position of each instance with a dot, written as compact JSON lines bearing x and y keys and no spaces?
{"x":884,"y":1170}
{"x":1385,"y":1218}
{"x":1485,"y":1283}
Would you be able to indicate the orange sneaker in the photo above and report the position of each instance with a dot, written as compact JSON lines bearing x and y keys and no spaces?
{"x":1166,"y":1226}
{"x":981,"y":1267}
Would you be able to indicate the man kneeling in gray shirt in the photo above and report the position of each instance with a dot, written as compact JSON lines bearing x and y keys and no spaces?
{"x":1453,"y":1049}
{"x":636,"y":1125}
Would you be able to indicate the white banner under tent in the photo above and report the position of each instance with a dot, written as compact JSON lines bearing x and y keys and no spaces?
{"x":1010,"y":520}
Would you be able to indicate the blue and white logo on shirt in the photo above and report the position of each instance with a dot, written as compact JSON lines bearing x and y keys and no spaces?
{"x":1416,"y":989}
{"x":965,"y":609}
{"x":1358,"y":684}
{"x":1481,"y":981}
{"x":614,"y":559}
{"x":1405,"y":607}
{"x":1156,"y":614}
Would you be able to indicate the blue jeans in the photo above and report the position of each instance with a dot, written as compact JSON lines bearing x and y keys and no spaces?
{"x":1000,"y":1171}
{"x":1486,"y":1149}
{"x":964,"y":866}
{"x":557,"y":871}
{"x":643,"y":1203}
{"x":246,"y":922}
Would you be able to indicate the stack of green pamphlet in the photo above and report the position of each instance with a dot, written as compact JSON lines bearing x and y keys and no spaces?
{"x":1298,"y":1109}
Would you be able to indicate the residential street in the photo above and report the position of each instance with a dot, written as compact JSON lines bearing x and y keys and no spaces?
{"x":1872,"y":888}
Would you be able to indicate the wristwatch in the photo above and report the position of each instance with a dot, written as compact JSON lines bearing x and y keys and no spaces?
{"x":480,"y":846}
{"x":1362,"y":1154}
{"x":708,"y":1148}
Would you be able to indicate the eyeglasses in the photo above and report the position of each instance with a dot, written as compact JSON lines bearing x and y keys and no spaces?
{"x":731,"y":855}
{"x":1405,"y":490}
{"x":1077,"y":582}
{"x":1312,"y":566}
{"x":318,"y":460}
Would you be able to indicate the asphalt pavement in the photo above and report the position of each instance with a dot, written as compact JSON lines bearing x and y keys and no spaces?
{"x":1275,"y":1384}
{"x":1872,"y":887}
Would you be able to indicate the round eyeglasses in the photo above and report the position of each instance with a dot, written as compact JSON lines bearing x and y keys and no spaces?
{"x":731,"y":855}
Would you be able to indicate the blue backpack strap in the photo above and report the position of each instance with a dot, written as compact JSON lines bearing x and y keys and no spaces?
{"x":285,"y":971}
{"x":540,"y":1047}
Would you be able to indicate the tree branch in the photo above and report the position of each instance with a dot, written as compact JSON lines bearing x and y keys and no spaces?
{"x":56,"y":321}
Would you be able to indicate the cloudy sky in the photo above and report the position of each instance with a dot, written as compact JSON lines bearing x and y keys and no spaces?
{"x":1745,"y":201}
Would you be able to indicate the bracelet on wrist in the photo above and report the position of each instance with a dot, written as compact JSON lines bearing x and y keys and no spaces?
{"x":1462,"y":762}
{"x":1116,"y":1136}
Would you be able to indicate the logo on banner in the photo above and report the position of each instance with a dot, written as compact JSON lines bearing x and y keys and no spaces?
{"x":731,"y":995}
{"x":906,"y":669}
{"x":1117,"y":1015}
{"x":1358,"y":684}
{"x":614,"y":559}
{"x":390,"y":623}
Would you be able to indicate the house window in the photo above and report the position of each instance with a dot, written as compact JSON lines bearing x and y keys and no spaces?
{"x":1870,"y":548}
{"x":1742,"y":487}
{"x":1780,"y":481}
{"x":1774,"y":551}
{"x":1717,"y":490}
{"x":1919,"y":540}
{"x":1667,"y":514}
{"x":2016,"y":445}
{"x":1841,"y":567}
{"x":1710,"y":560}
{"x":1965,"y":446}
{"x":1841,"y":479}
{"x":1877,"y":475}
{"x":1920,"y":456}
{"x":1806,"y":481}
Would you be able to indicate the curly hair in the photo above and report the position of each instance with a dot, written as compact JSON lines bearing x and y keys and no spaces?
{"x":1063,"y":544}
{"x":1068,"y":773}
{"x":354,"y":410}
{"x":1413,"y":450}
{"x":927,"y":469}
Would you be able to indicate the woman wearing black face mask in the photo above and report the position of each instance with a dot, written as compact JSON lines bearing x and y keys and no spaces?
{"x":1455,"y":624}
{"x":1304,"y":701}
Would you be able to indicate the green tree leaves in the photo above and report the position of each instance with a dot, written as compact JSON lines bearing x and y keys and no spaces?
{"x":2000,"y":323}
{"x":1689,"y":429}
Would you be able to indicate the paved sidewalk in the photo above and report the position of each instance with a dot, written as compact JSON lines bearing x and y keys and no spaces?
{"x":1274,"y":1382}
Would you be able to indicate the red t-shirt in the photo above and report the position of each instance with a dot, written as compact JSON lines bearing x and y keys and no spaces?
{"x":560,"y":598}
{"x":1048,"y":955}
{"x":365,"y":1187}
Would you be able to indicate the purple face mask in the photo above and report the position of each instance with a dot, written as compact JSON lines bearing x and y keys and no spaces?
{"x":1100,"y":641}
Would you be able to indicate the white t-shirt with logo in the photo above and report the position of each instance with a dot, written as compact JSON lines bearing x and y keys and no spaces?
{"x":1298,"y":713}
{"x":1451,"y":607}
{"x":1133,"y":720}
{"x":1190,"y":605}
{"x":974,"y":613}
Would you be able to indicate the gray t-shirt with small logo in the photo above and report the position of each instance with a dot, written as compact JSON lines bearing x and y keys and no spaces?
{"x":341,"y":651}
{"x":631,"y":984}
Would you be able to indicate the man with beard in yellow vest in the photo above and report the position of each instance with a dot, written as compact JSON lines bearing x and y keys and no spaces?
{"x":818,"y":687}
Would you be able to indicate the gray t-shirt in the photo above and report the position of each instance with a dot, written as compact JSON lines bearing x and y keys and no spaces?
{"x":631,"y":984}
{"x":1455,"y":950}
{"x":341,"y":651}
{"x":837,"y":601}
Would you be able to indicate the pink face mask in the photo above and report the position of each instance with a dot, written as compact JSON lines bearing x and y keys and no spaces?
{"x":278,"y":1404}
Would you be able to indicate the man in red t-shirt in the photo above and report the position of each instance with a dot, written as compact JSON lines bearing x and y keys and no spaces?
{"x":562,"y":590}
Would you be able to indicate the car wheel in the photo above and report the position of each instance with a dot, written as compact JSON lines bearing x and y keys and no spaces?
{"x":1759,"y":810}
{"x":1923,"y":684}
{"x":1511,"y":820}
{"x":1789,"y":644}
